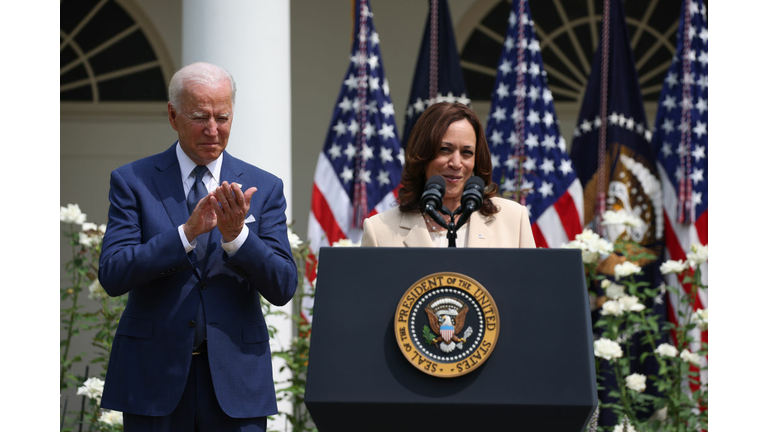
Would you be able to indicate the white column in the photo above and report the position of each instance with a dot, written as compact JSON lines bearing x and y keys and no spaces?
{"x":251,"y":39}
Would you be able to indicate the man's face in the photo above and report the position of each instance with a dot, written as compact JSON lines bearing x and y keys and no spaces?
{"x":203,"y":120}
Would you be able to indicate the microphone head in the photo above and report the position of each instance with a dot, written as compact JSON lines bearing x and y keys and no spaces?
{"x":472,"y":197}
{"x":474,"y":182}
{"x":433,"y":193}
{"x":436,"y":182}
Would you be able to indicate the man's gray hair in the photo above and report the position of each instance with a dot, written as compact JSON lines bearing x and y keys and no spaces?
{"x":197,"y":73}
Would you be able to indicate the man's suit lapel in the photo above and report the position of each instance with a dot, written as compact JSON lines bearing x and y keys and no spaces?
{"x":169,"y":188}
{"x":417,"y":236}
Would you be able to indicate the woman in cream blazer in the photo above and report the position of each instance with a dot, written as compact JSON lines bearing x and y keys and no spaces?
{"x":448,"y":141}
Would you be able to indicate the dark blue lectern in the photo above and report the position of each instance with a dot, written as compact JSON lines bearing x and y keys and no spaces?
{"x":540,"y":376}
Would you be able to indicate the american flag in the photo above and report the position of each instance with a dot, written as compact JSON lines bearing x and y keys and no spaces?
{"x":613,"y":158}
{"x":680,"y":141}
{"x":530,"y":161}
{"x":359,"y":168}
{"x":438,"y":76}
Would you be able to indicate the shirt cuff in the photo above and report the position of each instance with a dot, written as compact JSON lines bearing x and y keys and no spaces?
{"x":232,"y":247}
{"x":188,"y":247}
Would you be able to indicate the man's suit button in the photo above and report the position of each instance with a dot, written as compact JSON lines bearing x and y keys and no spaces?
{"x":191,"y":323}
{"x":203,"y":285}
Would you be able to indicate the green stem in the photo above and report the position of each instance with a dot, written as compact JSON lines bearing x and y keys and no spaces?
{"x":624,"y":397}
{"x":650,"y":336}
{"x":71,"y":322}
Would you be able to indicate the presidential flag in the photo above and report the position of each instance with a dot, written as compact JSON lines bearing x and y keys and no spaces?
{"x":438,"y":77}
{"x":611,"y":149}
{"x":613,"y":158}
{"x":360,"y":165}
{"x":530,"y":161}
{"x":681,"y":145}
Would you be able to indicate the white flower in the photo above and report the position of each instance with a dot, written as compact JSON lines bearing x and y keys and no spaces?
{"x":607,"y":349}
{"x":620,"y":428}
{"x":635,"y":382}
{"x":631,"y":304}
{"x":294,"y":239}
{"x":345,"y":243}
{"x":672,"y":266}
{"x":72,"y":214}
{"x":91,"y":234}
{"x":92,"y":388}
{"x":587,"y":256}
{"x":85,"y":239}
{"x":666,"y":350}
{"x":612,"y":307}
{"x":111,"y":417}
{"x":690,"y":357}
{"x":612,"y":290}
{"x":626,"y":268}
{"x":595,"y":243}
{"x":699,"y":254}
{"x":592,"y":246}
{"x":621,"y":217}
{"x":96,"y":291}
{"x":701,"y":319}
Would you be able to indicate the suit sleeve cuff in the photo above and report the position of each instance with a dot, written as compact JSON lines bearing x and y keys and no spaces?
{"x":188,"y":247}
{"x":232,"y":247}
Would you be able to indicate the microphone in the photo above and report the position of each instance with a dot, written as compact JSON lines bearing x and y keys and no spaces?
{"x":432,"y":198}
{"x":471,"y":198}
{"x":433,"y":193}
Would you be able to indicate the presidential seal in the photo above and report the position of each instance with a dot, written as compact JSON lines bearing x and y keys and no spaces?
{"x":446,"y":324}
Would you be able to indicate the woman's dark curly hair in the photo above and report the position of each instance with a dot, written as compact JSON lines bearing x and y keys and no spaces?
{"x":423,"y":144}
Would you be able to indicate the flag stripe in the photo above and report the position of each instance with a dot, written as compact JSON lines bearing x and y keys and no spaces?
{"x":329,"y":184}
{"x":702,"y":226}
{"x":552,"y":228}
{"x":326,"y":220}
{"x":538,"y":236}
{"x":566,"y":208}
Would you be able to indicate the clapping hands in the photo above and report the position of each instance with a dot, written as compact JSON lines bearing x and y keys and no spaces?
{"x":226,"y":207}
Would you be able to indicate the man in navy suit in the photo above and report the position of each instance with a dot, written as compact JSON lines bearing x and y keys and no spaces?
{"x":191,"y":351}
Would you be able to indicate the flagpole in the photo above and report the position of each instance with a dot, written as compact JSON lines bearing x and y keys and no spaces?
{"x":602,"y":138}
{"x":360,"y":204}
{"x":685,"y":211}
{"x":433,"y":51}
{"x":520,"y":102}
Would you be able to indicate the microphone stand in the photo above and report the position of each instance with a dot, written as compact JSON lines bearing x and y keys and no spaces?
{"x":451,"y":226}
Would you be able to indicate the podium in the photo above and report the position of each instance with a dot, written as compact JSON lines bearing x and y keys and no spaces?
{"x":540,"y":375}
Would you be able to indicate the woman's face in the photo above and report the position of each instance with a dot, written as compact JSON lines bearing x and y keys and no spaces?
{"x":455,"y":161}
